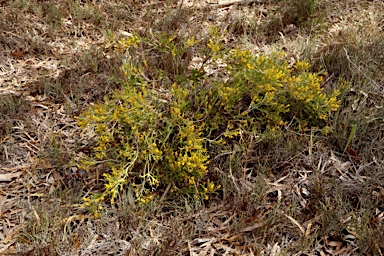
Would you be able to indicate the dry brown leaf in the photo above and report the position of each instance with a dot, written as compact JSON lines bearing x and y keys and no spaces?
{"x":6,"y":248}
{"x":9,"y":176}
{"x":56,"y":175}
{"x":278,"y":187}
{"x":52,"y":189}
{"x":216,"y":221}
{"x":254,"y":226}
{"x":218,"y":229}
{"x":36,"y":215}
{"x":18,"y":53}
{"x":308,"y":230}
{"x":276,"y":250}
{"x":11,"y":233}
{"x":4,"y":140}
{"x":296,"y":223}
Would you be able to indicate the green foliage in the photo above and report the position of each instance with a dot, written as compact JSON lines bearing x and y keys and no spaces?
{"x":170,"y":119}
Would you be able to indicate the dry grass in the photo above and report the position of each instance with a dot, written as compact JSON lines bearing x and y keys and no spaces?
{"x":302,"y":194}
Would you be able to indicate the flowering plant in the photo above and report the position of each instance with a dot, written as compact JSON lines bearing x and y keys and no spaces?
{"x":169,"y":119}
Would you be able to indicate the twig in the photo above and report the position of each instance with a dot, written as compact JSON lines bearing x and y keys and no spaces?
{"x":238,"y":2}
{"x":166,"y":191}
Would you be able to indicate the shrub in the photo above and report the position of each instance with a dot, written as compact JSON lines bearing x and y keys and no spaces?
{"x":170,"y":118}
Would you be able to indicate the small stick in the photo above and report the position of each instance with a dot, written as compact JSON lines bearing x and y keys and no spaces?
{"x":219,"y":5}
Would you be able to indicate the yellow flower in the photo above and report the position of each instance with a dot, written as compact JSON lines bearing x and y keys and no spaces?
{"x":191,"y":41}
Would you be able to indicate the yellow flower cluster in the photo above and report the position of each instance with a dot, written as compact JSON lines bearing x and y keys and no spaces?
{"x":189,"y":160}
{"x":275,"y":91}
{"x":133,"y":40}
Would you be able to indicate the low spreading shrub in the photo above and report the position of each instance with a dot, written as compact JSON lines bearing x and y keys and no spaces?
{"x":172,"y":115}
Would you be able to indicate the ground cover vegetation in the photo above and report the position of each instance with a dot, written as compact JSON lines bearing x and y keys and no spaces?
{"x":191,"y":128}
{"x":148,"y":141}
